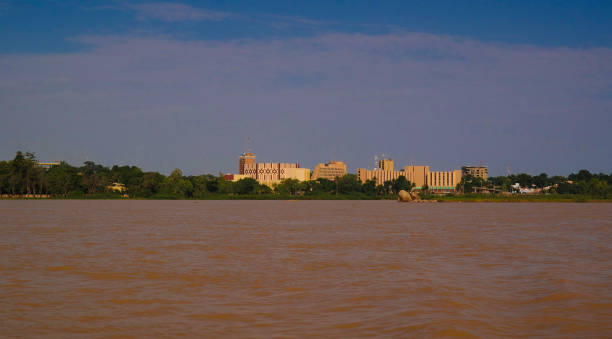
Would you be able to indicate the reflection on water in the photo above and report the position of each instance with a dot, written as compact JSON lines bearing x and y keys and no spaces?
{"x":307,"y":268}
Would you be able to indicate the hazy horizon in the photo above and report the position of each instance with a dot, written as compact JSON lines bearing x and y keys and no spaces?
{"x":163,"y":85}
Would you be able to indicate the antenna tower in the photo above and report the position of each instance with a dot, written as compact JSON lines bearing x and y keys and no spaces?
{"x":334,"y":158}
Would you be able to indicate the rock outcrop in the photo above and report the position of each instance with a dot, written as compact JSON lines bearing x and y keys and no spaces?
{"x":404,"y":196}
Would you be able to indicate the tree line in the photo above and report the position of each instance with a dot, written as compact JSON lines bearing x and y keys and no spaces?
{"x":581,"y":183}
{"x":22,"y":175}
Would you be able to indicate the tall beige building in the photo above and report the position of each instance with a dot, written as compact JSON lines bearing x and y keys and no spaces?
{"x":330,"y":170}
{"x":436,"y":181}
{"x":417,"y":175}
{"x":476,"y":171}
{"x":384,"y":172}
{"x":386,"y":164}
{"x":244,"y":159}
{"x":378,"y":175}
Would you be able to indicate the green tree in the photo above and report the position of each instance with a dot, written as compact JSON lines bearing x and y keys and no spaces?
{"x":18,"y":173}
{"x":199,"y":184}
{"x":5,"y":174}
{"x":177,"y":185}
{"x":264,"y":189}
{"x":401,"y":184}
{"x":382,"y":190}
{"x":468,"y":183}
{"x":130,"y":176}
{"x":369,"y":187}
{"x":152,"y":183}
{"x":94,"y":177}
{"x":287,"y":187}
{"x":349,"y":183}
{"x":224,"y":186}
{"x":62,"y":179}
{"x":582,"y":175}
{"x":540,"y":180}
{"x":212,"y":184}
{"x":325,"y":186}
{"x":246,"y":186}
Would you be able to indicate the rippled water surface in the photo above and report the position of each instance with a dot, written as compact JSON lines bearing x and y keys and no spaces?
{"x":304,"y":268}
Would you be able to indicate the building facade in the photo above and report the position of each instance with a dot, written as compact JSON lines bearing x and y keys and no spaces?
{"x":420,"y":176}
{"x":47,"y":165}
{"x":244,"y":159}
{"x":378,"y":175}
{"x":386,"y":164}
{"x":330,"y":170}
{"x":443,"y":181}
{"x":268,"y":173}
{"x":476,"y":171}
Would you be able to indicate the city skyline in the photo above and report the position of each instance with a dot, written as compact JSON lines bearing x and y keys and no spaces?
{"x":166,"y":85}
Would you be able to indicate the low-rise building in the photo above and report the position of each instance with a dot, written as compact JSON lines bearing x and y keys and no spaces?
{"x":117,"y":187}
{"x":330,"y":170}
{"x":47,"y":165}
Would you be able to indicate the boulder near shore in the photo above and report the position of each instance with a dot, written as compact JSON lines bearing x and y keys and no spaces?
{"x":404,"y":196}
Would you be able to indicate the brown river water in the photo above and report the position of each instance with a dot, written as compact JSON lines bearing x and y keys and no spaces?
{"x":89,"y":269}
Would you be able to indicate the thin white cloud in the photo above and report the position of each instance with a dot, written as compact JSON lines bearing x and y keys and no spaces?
{"x":174,"y":12}
{"x":177,"y":12}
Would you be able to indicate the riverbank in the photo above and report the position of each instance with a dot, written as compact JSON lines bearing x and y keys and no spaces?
{"x":518,"y":198}
{"x":107,"y":196}
{"x":439,"y":198}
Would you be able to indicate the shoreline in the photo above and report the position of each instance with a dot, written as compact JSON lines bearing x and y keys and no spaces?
{"x":440,"y":199}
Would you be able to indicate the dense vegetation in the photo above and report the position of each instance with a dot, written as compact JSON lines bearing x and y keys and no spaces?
{"x":22,"y":176}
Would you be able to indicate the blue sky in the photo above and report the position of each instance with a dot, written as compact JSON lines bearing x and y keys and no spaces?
{"x":519,"y":84}
{"x":43,"y":26}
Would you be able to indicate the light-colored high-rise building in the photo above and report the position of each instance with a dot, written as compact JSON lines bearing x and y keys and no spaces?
{"x":330,"y":170}
{"x":417,"y":175}
{"x":383,"y":173}
{"x":420,"y":176}
{"x":378,"y":175}
{"x":386,"y":164}
{"x":476,"y":171}
{"x":244,"y":159}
